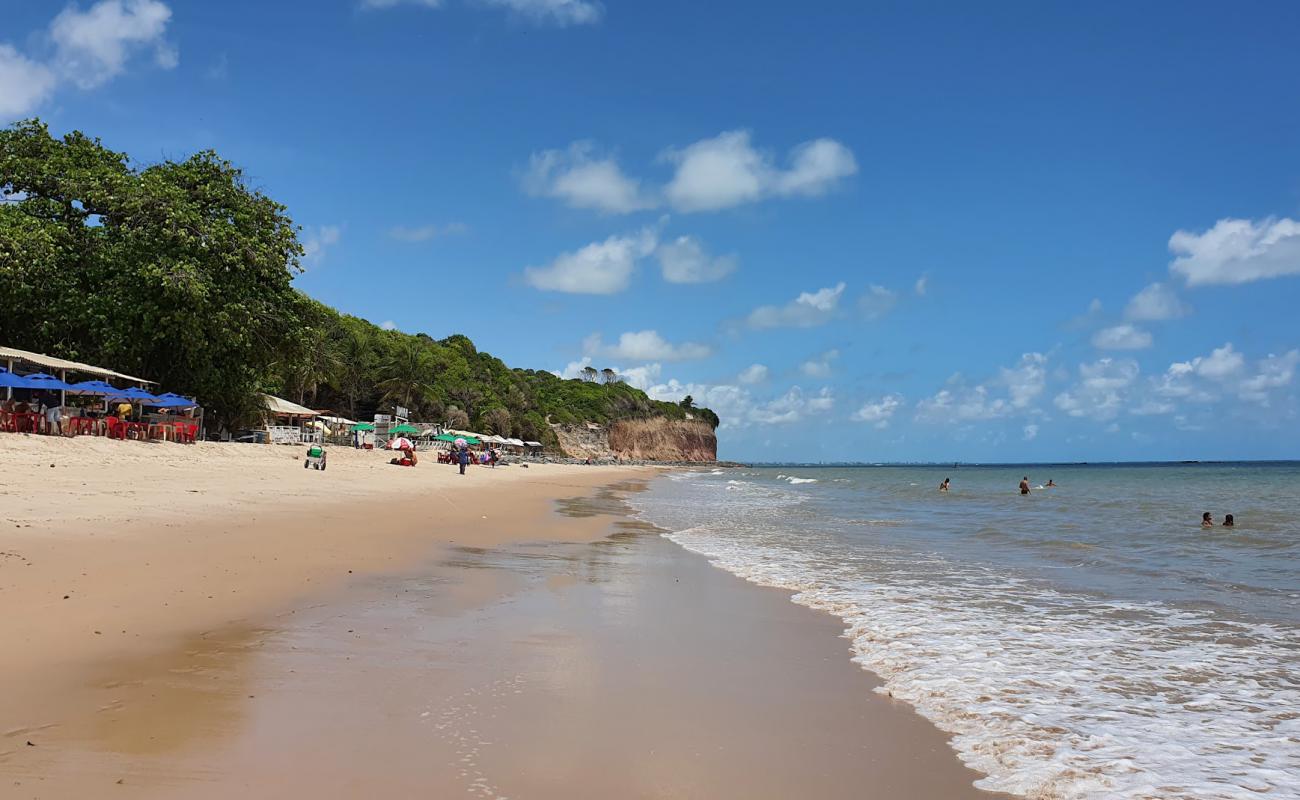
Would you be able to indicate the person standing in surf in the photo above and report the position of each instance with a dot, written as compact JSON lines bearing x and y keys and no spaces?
{"x":1024,"y":485}
{"x":943,"y":487}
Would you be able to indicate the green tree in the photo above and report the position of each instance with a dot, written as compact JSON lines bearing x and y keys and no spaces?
{"x":408,"y":375}
{"x":177,"y":272}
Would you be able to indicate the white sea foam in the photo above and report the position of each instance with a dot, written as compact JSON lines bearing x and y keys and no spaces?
{"x":793,"y":480}
{"x":1049,"y":693}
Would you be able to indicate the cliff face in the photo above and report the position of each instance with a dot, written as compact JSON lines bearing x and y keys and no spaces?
{"x":655,"y":439}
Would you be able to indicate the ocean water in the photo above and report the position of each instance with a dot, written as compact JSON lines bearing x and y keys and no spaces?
{"x":1087,"y":641}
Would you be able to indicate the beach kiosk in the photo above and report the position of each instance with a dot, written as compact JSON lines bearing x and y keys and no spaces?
{"x":287,"y":422}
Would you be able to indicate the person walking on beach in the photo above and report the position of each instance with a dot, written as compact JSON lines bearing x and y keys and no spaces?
{"x":462,"y":458}
{"x":1206,"y":520}
{"x":1024,"y":485}
{"x":943,"y":487}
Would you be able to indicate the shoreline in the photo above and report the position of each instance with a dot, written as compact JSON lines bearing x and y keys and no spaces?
{"x":319,"y":680}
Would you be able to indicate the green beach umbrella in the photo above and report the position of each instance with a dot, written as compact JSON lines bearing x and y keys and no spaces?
{"x":451,"y":437}
{"x":404,"y":428}
{"x":363,"y":426}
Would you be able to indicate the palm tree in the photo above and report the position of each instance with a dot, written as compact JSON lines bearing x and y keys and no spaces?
{"x":408,"y":375}
{"x":354,"y":356}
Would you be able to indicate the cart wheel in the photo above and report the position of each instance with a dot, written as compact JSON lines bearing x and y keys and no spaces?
{"x":306,"y":464}
{"x":322,"y":465}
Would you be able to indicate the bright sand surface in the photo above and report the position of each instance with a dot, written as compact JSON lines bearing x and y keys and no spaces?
{"x":212,"y":621}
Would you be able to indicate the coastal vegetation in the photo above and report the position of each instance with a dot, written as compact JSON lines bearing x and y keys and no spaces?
{"x":180,"y":272}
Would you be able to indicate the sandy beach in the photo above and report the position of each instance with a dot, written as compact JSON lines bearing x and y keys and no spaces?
{"x":199,"y":621}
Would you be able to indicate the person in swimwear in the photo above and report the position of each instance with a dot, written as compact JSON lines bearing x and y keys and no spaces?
{"x":1206,"y":520}
{"x":1050,"y":484}
{"x":1024,"y":485}
{"x":1228,"y":521}
{"x":943,"y":487}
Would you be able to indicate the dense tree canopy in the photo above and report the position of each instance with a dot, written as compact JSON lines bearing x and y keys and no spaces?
{"x":180,"y":273}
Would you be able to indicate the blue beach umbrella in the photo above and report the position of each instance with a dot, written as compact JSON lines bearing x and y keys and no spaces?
{"x":170,"y":400}
{"x":94,"y":387}
{"x":134,"y":393}
{"x":9,"y":380}
{"x":40,"y":380}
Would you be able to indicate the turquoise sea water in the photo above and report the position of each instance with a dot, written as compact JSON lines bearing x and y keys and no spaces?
{"x":1086,"y":641}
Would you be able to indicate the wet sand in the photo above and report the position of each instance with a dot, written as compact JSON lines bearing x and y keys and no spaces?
{"x":542,"y":662}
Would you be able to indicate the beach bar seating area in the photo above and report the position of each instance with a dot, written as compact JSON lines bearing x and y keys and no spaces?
{"x":41,"y":394}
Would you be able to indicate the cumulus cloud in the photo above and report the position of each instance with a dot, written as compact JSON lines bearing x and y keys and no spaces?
{"x":1030,"y":432}
{"x":599,"y":268}
{"x":388,"y":325}
{"x":819,"y":367}
{"x":1223,"y":363}
{"x":879,"y":411}
{"x":584,"y":178}
{"x":423,"y":233}
{"x":1155,"y":303}
{"x":317,"y":241}
{"x":1101,"y":389}
{"x":922,"y":285}
{"x":1012,"y":390}
{"x":754,"y":373}
{"x":645,"y":346}
{"x":1121,"y":337}
{"x":877,"y":302}
{"x":727,"y":171}
{"x":1237,"y":251}
{"x":548,"y":12}
{"x":24,"y":84}
{"x":808,"y":310}
{"x":738,"y":408}
{"x":91,"y":47}
{"x":685,"y":260}
{"x":1273,"y":372}
{"x":379,"y":4}
{"x":641,"y":377}
{"x":553,"y":12}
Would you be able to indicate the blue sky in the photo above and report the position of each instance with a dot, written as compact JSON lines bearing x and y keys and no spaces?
{"x":858,"y":231}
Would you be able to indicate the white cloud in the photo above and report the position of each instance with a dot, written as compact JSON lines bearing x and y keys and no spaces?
{"x":423,"y":233}
{"x":1237,"y":251}
{"x":819,"y":367}
{"x":685,"y":260}
{"x":808,"y":310}
{"x":738,"y":408}
{"x":922,"y":285}
{"x":24,"y":84}
{"x":599,"y":268}
{"x":554,"y":12}
{"x":727,"y":171}
{"x":93,"y":46}
{"x":1025,"y":381}
{"x":877,"y":302}
{"x":1274,"y":372}
{"x":378,"y":4}
{"x":960,"y":402}
{"x":1101,"y":390}
{"x":1121,"y":337}
{"x":754,"y":373}
{"x":585,"y":179}
{"x":878,"y":412}
{"x":1221,"y":364}
{"x":388,"y":325}
{"x":645,"y":346}
{"x":1154,"y":303}
{"x":640,"y":377}
{"x":317,"y":241}
{"x":1031,"y":432}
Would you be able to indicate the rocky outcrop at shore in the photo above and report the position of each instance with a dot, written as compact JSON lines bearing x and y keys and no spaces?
{"x":656,"y":439}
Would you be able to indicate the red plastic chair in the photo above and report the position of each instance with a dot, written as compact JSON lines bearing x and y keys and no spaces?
{"x":191,"y":432}
{"x":116,"y":428}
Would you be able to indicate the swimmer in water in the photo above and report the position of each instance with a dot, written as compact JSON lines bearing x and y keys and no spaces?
{"x":1024,"y":485}
{"x":1206,"y":520}
{"x":943,"y":487}
{"x":1228,"y":522}
{"x":1050,"y":485}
